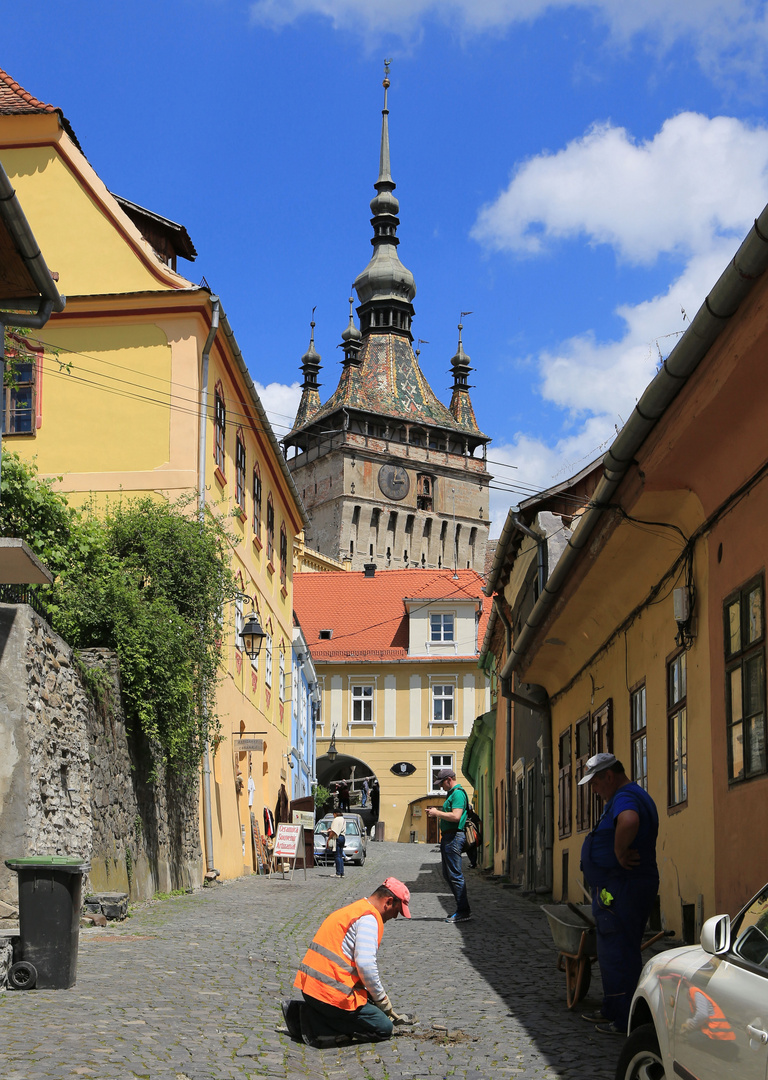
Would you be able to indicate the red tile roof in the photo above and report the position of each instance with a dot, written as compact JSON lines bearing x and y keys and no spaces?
{"x":14,"y":99}
{"x":368,"y":616}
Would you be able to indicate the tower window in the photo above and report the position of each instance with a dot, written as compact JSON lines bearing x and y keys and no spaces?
{"x":424,"y":492}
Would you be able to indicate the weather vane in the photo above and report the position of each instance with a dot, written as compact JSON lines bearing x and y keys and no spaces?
{"x":386,"y":67}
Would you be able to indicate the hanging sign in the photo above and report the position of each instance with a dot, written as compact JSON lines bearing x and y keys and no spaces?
{"x":241,"y":745}
{"x":306,"y":818}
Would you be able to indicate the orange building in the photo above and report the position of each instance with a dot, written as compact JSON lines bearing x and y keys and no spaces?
{"x":647,"y":636}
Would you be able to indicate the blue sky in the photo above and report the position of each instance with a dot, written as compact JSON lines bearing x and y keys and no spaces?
{"x":576,"y":175}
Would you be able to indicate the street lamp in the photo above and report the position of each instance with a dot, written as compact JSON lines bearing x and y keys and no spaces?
{"x":252,"y":635}
{"x":332,"y":753}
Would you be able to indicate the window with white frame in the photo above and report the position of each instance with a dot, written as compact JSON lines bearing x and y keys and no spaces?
{"x":441,"y":626}
{"x":281,"y":670}
{"x":436,"y":763}
{"x":442,"y":703}
{"x":362,"y":704}
{"x":268,"y":660}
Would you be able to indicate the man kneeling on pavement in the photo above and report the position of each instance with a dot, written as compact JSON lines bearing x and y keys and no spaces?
{"x":344,"y":999}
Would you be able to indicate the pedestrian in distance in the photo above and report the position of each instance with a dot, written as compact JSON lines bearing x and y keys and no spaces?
{"x":375,"y":796}
{"x":618,"y":860}
{"x":343,"y":790}
{"x":452,"y":818}
{"x":364,"y":800}
{"x":337,"y":836}
{"x":344,"y":999}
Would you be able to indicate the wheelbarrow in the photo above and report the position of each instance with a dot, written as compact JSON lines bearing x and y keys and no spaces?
{"x":573,"y":931}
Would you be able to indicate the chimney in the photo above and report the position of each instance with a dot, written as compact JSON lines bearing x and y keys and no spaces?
{"x":369,"y":569}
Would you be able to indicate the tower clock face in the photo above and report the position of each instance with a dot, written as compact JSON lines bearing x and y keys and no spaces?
{"x":394,"y":482}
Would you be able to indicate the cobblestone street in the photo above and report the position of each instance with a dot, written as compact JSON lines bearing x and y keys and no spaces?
{"x":189,"y":987}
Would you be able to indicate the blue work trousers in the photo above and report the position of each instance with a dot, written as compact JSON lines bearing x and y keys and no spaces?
{"x":620,"y":927}
{"x":451,"y":847}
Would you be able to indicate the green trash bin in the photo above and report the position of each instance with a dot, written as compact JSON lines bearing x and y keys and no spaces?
{"x":50,"y":901}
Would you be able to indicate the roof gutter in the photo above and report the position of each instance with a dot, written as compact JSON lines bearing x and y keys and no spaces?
{"x":24,"y":241}
{"x":263,"y":419}
{"x":735,"y":283}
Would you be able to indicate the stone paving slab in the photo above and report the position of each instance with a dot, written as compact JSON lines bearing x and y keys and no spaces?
{"x":189,"y":988}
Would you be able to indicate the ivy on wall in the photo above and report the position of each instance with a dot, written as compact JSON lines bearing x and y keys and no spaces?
{"x":144,"y":578}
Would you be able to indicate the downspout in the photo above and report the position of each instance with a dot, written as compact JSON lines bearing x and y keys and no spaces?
{"x":50,"y":300}
{"x":210,"y":871}
{"x":541,"y":550}
{"x":546,"y":733}
{"x":506,"y":688}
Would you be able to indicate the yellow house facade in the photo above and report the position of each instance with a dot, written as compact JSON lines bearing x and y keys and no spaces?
{"x":396,"y":656}
{"x":140,"y":388}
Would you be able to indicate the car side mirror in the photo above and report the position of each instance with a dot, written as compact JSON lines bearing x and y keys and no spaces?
{"x":716,"y":935}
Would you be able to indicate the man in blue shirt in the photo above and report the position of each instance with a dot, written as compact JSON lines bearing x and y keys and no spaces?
{"x":618,"y":860}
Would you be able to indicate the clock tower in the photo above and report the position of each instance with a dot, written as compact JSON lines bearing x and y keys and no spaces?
{"x":388,"y":474}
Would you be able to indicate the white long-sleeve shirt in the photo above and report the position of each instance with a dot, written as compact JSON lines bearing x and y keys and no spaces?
{"x":360,"y":946}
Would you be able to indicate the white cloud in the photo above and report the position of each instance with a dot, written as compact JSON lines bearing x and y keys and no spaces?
{"x":693,"y":192}
{"x":724,"y":33}
{"x":280,"y":403}
{"x":696,"y":179}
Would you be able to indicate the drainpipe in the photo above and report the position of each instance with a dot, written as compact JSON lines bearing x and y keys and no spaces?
{"x":210,"y":871}
{"x":506,"y":687}
{"x":541,"y":549}
{"x":24,"y":241}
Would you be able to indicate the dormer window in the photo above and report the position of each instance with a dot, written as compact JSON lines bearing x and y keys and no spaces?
{"x":441,"y":626}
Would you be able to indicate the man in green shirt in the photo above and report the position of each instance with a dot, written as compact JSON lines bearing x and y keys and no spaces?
{"x":452,"y":818}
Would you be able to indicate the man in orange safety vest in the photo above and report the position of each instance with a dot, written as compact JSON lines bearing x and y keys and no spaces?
{"x":343,"y":996}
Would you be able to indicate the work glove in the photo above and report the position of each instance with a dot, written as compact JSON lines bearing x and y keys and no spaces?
{"x":385,"y":1005}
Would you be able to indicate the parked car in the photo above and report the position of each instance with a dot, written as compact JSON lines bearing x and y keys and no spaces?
{"x":701,"y":1012}
{"x":355,"y":844}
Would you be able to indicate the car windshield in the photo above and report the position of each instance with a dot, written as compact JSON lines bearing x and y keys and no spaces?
{"x":750,"y":931}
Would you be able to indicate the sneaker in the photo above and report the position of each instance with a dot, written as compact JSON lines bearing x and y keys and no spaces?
{"x":595,"y":1018}
{"x":292,"y":1016}
{"x":458,"y":918}
{"x":611,"y":1029}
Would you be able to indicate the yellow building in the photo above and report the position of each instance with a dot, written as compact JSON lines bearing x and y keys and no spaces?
{"x":396,"y":656}
{"x":124,"y":377}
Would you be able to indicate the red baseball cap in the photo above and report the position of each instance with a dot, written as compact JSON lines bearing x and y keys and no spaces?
{"x":401,"y":892}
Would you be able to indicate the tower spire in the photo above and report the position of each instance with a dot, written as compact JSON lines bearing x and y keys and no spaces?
{"x":461,"y":404}
{"x":310,"y":388}
{"x":385,"y":288}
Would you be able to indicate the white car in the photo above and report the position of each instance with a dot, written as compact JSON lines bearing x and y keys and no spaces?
{"x":701,"y":1012}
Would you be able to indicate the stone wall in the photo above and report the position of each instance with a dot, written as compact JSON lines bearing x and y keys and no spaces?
{"x":74,"y":780}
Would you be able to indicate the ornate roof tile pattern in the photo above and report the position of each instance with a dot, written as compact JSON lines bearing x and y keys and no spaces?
{"x":14,"y":99}
{"x":388,"y":381}
{"x":462,"y":409}
{"x":367,"y":615}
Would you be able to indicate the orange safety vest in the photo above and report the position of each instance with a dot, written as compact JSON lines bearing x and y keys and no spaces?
{"x":325,"y":973}
{"x":717,"y":1027}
